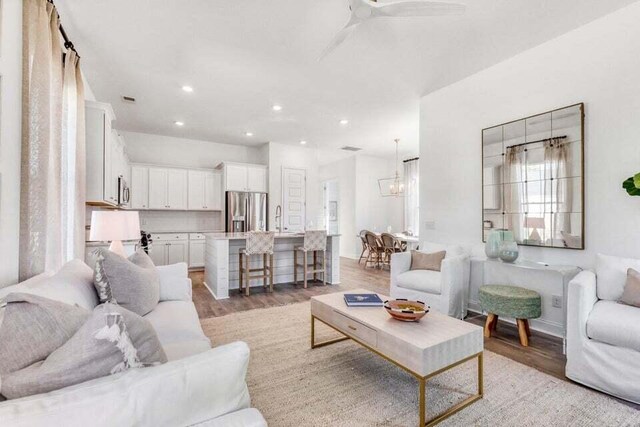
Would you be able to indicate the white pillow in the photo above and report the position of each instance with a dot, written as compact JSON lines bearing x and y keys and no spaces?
{"x":611,"y":272}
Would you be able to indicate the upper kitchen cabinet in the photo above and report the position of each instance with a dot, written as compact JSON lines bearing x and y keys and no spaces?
{"x":139,"y":187}
{"x":102,"y":182}
{"x":167,"y":188}
{"x":244,"y":177}
{"x":205,"y":189}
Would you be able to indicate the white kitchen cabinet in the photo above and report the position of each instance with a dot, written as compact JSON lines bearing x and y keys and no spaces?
{"x":158,"y":253}
{"x":167,"y":188}
{"x":204,"y":190}
{"x":196,"y":253}
{"x":169,"y":248}
{"x":236,"y":177}
{"x":257,"y":179}
{"x":101,"y":183}
{"x":177,"y":189}
{"x":177,"y":251}
{"x":245,"y":177}
{"x":158,"y":188}
{"x":139,"y":187}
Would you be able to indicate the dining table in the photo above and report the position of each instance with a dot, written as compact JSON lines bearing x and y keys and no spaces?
{"x":412,"y":241}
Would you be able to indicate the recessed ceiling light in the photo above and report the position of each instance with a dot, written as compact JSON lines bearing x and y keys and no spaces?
{"x":187,"y":89}
{"x":248,"y":133}
{"x":303,"y":142}
{"x":344,"y":122}
{"x":178,"y":123}
{"x":276,"y":108}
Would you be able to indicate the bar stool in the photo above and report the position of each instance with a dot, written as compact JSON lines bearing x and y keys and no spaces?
{"x":258,"y":243}
{"x":314,"y":241}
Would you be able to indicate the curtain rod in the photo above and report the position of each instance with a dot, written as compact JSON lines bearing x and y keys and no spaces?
{"x":540,"y":140}
{"x":411,"y":160}
{"x":68,"y":44}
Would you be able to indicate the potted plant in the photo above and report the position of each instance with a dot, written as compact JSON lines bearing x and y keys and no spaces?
{"x":632,"y":185}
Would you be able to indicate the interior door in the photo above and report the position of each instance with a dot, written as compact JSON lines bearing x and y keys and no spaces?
{"x":294,"y":182}
{"x":158,"y":188}
{"x":177,"y":189}
{"x":197,"y":190}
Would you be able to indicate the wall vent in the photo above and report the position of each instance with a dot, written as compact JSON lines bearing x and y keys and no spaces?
{"x":350,"y":148}
{"x":129,"y":99}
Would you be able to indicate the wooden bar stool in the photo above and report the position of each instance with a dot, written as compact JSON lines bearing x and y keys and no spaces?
{"x":314,"y":242}
{"x":258,"y":243}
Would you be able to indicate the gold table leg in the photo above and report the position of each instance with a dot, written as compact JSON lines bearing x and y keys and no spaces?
{"x":322,"y":344}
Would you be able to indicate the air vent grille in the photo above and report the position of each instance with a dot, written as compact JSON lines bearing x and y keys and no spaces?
{"x":350,"y":148}
{"x":129,"y":99}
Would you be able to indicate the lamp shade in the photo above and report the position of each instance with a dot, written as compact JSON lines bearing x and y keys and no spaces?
{"x":534,"y":222}
{"x":114,"y":225}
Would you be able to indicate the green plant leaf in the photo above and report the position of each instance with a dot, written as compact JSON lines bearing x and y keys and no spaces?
{"x":631,"y":188}
{"x":636,"y":180}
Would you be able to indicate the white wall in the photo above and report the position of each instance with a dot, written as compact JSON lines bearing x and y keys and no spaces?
{"x":597,"y":64}
{"x":170,"y":151}
{"x":10,"y":134}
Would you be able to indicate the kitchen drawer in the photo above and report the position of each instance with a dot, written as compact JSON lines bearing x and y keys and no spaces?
{"x":196,"y":236}
{"x":163,"y":237}
{"x":356,"y":329}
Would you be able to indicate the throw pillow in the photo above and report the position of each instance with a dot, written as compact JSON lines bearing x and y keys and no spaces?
{"x":422,"y":261}
{"x":112,"y":340}
{"x":132,"y":283}
{"x":631,"y":293}
{"x":31,"y":327}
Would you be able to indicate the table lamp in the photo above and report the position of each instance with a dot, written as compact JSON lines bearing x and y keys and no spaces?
{"x":535,"y":223}
{"x":114,"y":227}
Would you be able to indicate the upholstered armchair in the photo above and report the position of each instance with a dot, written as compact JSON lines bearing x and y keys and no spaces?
{"x":445,"y":291}
{"x":603,"y":336}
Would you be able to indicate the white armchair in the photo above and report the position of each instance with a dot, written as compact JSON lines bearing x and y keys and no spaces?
{"x":603,"y":336}
{"x":445,"y":291}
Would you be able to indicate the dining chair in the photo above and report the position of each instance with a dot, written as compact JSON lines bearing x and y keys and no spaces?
{"x":365,"y":246}
{"x":315,"y":241}
{"x":258,"y":243}
{"x":390,"y":245}
{"x":376,"y":252}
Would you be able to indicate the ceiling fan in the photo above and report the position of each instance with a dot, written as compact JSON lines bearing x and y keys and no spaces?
{"x":364,"y":10}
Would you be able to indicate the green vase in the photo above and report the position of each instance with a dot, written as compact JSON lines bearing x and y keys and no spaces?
{"x":494,"y":241}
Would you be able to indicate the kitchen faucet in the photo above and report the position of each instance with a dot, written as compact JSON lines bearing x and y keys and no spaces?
{"x":279,"y":219}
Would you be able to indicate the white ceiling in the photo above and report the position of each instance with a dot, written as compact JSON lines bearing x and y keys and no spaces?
{"x":243,"y":56}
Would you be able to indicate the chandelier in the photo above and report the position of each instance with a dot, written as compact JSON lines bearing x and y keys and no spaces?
{"x":392,"y":187}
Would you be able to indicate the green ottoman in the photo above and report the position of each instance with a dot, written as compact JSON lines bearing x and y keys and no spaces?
{"x":510,"y":301}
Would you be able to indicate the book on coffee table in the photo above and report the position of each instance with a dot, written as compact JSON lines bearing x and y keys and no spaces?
{"x":362,"y":300}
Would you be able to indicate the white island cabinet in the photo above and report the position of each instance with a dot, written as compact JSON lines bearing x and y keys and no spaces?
{"x":221,"y":269}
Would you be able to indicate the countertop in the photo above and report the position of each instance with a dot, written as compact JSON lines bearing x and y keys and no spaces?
{"x":184,"y":231}
{"x":243,"y":236}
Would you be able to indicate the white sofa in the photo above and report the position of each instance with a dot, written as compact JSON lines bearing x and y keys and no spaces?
{"x":198,"y":386}
{"x":603,"y":336}
{"x":445,"y":291}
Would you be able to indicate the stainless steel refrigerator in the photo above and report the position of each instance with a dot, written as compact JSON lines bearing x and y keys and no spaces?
{"x":246,"y":211}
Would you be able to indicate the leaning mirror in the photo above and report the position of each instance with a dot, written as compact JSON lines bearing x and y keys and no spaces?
{"x":533,"y":180}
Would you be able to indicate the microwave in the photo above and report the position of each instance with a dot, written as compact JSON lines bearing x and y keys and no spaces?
{"x":124,"y":193}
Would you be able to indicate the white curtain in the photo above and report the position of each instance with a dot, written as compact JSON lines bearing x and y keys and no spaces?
{"x":412,"y":196}
{"x":515,"y":191}
{"x":51,"y":213}
{"x":559,"y":190}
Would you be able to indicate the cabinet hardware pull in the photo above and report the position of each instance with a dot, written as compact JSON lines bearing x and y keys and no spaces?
{"x":351,"y":327}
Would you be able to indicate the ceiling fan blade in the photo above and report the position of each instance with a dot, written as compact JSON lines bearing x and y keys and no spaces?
{"x":419,"y":8}
{"x":338,"y":39}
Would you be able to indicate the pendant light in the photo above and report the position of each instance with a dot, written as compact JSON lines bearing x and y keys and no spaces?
{"x":392,"y":187}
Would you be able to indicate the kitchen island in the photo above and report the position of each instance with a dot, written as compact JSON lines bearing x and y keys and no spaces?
{"x":221,"y":270}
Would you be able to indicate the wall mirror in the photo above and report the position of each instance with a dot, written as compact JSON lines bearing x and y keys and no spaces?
{"x":533,"y":178}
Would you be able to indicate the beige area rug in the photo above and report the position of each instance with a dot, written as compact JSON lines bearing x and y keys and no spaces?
{"x":346,"y":385}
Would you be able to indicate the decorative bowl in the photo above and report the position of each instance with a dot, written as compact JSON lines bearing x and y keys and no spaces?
{"x":405,"y":310}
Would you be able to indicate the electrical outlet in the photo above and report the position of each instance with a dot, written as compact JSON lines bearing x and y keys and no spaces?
{"x":430,"y":225}
{"x":556,"y":301}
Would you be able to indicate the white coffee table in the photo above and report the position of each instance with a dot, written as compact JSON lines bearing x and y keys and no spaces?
{"x":424,"y":349}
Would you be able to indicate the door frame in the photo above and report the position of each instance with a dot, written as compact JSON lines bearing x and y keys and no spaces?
{"x":283,"y":169}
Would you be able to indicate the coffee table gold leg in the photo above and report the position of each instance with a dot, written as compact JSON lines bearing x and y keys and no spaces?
{"x":423,"y":397}
{"x":481,"y":374}
{"x":322,"y":344}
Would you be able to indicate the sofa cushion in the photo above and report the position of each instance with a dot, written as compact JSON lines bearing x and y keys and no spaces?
{"x":182,"y":349}
{"x":112,"y":340}
{"x":133,"y":283}
{"x":612,"y":275}
{"x":32,"y":327}
{"x":249,"y":417}
{"x":23,"y":287}
{"x":176,"y":321}
{"x":615,"y":324}
{"x":421,"y":280}
{"x":631,"y":294}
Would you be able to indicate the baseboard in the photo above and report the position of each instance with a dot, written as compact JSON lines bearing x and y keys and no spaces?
{"x":540,"y":325}
{"x":211,"y":292}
